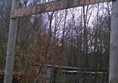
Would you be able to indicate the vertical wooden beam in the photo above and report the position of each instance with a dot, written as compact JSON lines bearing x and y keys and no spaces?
{"x":11,"y":45}
{"x":113,"y":69}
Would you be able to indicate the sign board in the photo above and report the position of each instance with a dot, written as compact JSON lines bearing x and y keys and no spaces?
{"x":50,"y":6}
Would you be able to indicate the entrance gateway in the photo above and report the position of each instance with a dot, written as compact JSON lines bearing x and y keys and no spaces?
{"x":17,"y":12}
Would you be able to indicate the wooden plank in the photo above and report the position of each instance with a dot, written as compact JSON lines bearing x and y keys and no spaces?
{"x":51,"y":6}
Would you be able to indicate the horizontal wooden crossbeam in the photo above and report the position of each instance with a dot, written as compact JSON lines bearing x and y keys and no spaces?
{"x":50,"y":6}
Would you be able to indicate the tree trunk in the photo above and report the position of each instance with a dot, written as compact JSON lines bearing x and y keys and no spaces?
{"x":113,"y":69}
{"x":11,"y":46}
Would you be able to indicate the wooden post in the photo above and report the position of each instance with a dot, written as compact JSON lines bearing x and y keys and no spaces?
{"x":11,"y":45}
{"x":113,"y":69}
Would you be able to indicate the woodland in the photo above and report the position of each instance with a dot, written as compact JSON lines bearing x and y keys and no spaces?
{"x":72,"y":43}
